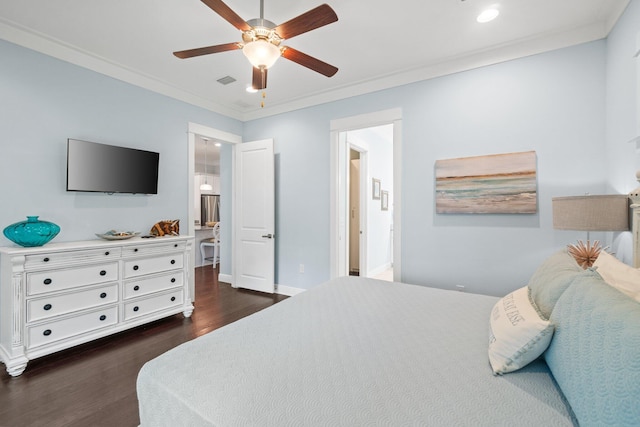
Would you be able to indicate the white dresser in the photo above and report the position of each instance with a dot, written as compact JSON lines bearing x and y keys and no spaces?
{"x":63,"y":294}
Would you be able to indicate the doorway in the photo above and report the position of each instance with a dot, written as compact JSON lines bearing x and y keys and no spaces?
{"x":368,"y":210}
{"x":338,"y":236}
{"x":195,"y":133}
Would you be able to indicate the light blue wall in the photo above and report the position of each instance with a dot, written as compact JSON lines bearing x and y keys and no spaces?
{"x":44,"y":102}
{"x":622,"y":106}
{"x":553,"y":103}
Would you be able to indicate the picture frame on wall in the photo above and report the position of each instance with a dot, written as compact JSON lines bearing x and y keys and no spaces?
{"x":491,"y":184}
{"x":375,"y":189}
{"x":384,"y":203}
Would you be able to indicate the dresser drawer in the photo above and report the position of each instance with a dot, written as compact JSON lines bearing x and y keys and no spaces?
{"x":56,"y":280}
{"x":142,"y":266}
{"x":43,"y":308}
{"x":154,"y":248}
{"x":148,"y":285}
{"x":65,"y":328}
{"x":149,"y":305}
{"x":71,"y":257}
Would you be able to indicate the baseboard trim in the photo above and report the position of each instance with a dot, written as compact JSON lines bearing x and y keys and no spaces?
{"x":226,"y":278}
{"x":288,"y":290}
{"x":280,"y":289}
{"x":380,"y":269}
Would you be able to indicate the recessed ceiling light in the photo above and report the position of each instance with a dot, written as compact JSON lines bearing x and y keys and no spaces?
{"x":488,"y":15}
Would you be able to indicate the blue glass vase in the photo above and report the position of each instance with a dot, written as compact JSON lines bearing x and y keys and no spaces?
{"x":31,"y":232}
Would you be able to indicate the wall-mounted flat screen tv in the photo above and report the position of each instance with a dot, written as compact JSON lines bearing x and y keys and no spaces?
{"x":110,"y":169}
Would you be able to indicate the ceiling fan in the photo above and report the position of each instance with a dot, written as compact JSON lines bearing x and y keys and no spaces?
{"x":262,"y":39}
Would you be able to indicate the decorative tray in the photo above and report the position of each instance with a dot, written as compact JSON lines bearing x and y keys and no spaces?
{"x":118,"y":235}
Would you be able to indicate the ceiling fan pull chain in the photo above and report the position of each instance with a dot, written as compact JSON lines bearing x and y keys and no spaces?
{"x":264,"y":95}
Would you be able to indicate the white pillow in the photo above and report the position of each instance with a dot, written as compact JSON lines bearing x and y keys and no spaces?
{"x":518,"y":335}
{"x":621,"y":276}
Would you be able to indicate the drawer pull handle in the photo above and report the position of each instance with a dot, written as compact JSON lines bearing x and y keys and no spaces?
{"x":47,"y":281}
{"x":173,"y":299}
{"x":47,"y":332}
{"x":135,"y":268}
{"x":103,"y":317}
{"x":136,"y":288}
{"x":103,"y":273}
{"x":173,"y":261}
{"x":136,"y":308}
{"x":103,"y":295}
{"x":135,"y":250}
{"x":46,"y":259}
{"x":175,"y":245}
{"x":47,"y":307}
{"x":173,"y":280}
{"x":106,"y":253}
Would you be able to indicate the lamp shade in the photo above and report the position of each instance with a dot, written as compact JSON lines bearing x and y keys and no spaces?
{"x":591,"y":213}
{"x":261,"y":53}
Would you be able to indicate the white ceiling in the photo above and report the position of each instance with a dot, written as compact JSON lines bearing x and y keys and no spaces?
{"x":375,"y":44}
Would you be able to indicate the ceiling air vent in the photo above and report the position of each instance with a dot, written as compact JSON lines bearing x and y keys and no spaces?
{"x":226,"y":80}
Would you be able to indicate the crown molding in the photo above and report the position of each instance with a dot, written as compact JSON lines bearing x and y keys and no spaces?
{"x":517,"y":49}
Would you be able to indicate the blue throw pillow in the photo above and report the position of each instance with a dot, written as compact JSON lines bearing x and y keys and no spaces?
{"x":595,"y":353}
{"x":551,"y":279}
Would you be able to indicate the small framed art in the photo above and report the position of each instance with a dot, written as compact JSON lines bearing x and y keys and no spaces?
{"x":384,"y":203}
{"x":376,"y":189}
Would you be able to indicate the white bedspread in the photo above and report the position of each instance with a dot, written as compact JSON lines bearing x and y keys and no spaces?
{"x":351,"y":352}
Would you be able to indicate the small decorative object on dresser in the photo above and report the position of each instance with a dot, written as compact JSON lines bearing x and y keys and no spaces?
{"x":70,"y":293}
{"x":117,"y":235}
{"x":32,"y":232}
{"x":168,"y":227}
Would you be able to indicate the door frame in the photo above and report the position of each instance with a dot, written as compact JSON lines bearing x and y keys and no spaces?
{"x":225,"y":138}
{"x":337,"y":127}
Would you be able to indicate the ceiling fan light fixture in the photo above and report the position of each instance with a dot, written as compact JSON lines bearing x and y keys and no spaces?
{"x":261,"y":53}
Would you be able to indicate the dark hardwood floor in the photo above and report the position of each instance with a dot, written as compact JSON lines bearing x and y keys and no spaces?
{"x":95,"y":384}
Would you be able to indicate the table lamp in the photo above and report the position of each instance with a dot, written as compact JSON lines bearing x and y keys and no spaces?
{"x":590,"y":213}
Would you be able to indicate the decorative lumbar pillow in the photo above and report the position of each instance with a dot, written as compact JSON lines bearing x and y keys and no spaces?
{"x":518,"y":335}
{"x":621,"y":276}
{"x":551,"y":279}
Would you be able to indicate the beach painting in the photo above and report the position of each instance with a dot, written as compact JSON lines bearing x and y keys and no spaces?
{"x":494,"y":184}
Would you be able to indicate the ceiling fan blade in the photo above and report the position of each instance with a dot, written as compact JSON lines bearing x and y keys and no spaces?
{"x":190,"y":53}
{"x":229,"y":15}
{"x":259,"y":80}
{"x":315,"y":18}
{"x":309,"y":61}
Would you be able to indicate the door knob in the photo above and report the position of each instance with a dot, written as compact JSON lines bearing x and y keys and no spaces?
{"x":268,"y":236}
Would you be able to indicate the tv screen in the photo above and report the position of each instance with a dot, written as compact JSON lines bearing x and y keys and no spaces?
{"x":109,"y":169}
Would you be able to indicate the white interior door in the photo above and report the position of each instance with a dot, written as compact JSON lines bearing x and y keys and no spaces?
{"x":254,"y":216}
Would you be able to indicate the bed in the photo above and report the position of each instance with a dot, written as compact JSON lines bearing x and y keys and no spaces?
{"x":358,"y":351}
